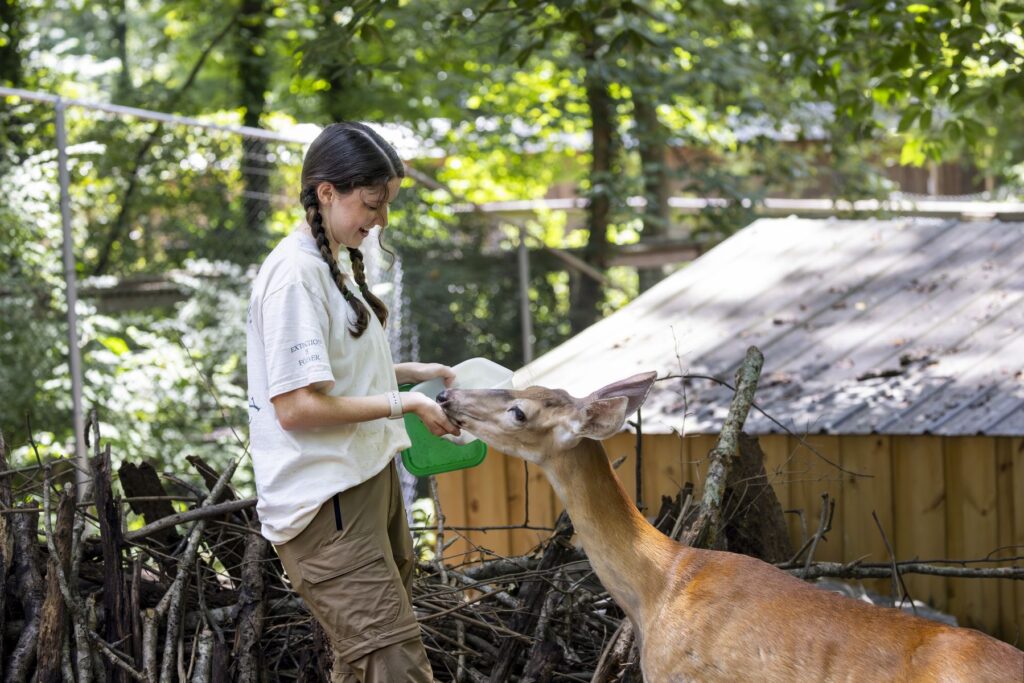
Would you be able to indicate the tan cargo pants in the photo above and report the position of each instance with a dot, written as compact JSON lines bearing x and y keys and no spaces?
{"x":353,"y":567}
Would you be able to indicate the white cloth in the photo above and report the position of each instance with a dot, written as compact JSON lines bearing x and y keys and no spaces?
{"x":298,"y":336}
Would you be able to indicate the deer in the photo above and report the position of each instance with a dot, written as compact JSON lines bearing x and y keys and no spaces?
{"x":709,"y":615}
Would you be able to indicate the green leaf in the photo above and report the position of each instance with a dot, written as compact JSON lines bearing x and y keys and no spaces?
{"x":952,"y":130}
{"x":912,"y":153}
{"x":923,"y":54}
{"x":908,"y":118}
{"x":900,"y":57}
{"x":115,"y":344}
{"x":973,"y":131}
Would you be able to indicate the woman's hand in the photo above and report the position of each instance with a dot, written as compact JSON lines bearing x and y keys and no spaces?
{"x":429,"y":412}
{"x":414,"y":373}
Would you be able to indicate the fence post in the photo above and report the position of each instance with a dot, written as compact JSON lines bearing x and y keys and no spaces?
{"x":524,"y":297}
{"x":71,"y":283}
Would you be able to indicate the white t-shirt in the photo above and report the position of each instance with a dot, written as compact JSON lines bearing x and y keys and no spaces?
{"x":298,"y":335}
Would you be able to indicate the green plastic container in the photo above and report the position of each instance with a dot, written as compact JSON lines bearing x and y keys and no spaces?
{"x":431,"y":454}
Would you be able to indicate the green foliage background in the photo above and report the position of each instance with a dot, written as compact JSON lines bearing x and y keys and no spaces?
{"x":767,"y":98}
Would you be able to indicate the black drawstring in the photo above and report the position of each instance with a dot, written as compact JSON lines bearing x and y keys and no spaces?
{"x":337,"y":512}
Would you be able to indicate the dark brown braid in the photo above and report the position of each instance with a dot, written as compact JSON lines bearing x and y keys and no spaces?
{"x":349,"y":156}
{"x":316,"y":222}
{"x":379,"y":309}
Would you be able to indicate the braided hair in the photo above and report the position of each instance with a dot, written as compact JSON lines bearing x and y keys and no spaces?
{"x":349,"y":156}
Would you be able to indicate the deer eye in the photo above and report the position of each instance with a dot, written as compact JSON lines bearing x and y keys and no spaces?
{"x":517,"y":413}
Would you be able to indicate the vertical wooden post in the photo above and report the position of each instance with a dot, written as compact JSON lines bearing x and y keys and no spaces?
{"x":810,"y":476}
{"x":861,"y":496}
{"x":1010,"y":620}
{"x":776,"y":467}
{"x":1017,"y":458}
{"x":971,"y":514}
{"x":487,"y":503}
{"x":919,"y":508}
{"x":451,"y":496}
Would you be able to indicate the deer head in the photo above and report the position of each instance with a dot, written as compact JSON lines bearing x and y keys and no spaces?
{"x":536,"y":422}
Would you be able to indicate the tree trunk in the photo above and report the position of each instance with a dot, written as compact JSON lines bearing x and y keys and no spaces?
{"x":588,"y":294}
{"x":253,"y":77}
{"x":12,"y":74}
{"x":123,"y":92}
{"x":651,"y":137}
{"x":12,"y":15}
{"x":753,"y":521}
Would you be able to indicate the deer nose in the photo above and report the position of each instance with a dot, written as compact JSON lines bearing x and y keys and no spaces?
{"x":442,"y":398}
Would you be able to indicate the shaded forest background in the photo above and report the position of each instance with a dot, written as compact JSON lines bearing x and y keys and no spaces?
{"x":488,"y":101}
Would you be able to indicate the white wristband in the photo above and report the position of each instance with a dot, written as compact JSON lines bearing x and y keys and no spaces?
{"x":394,"y":405}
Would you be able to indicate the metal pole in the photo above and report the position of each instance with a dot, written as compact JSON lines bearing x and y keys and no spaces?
{"x":71,"y":283}
{"x":524,"y":297}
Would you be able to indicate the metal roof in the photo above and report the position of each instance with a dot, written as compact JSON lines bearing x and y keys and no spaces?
{"x":889,"y":327}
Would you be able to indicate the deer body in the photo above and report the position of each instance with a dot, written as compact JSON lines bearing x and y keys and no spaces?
{"x":703,"y":615}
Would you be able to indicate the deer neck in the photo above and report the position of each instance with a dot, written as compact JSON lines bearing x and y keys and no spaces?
{"x":628,"y":554}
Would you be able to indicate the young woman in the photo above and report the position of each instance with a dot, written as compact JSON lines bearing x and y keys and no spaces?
{"x":324,"y":413}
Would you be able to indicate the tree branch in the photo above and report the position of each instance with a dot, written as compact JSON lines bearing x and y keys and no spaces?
{"x":204,"y":512}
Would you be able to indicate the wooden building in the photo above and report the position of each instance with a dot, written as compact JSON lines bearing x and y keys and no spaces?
{"x":895,"y":348}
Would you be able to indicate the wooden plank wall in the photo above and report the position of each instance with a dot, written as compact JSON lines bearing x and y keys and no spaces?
{"x":935,"y":498}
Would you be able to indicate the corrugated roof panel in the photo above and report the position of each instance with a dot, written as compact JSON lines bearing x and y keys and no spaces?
{"x":1011,"y":424}
{"x":917,"y":301}
{"x":866,"y":326}
{"x":802,"y":312}
{"x":640,"y":336}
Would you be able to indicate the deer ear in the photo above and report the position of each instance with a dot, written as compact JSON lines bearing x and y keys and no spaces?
{"x":634,"y":389}
{"x":603,"y":418}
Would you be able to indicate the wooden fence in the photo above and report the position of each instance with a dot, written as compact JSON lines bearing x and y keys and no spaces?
{"x":935,"y":497}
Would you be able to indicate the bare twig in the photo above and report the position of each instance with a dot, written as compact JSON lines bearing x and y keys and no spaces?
{"x":898,"y":585}
{"x":170,"y":604}
{"x":828,"y":507}
{"x":801,"y":440}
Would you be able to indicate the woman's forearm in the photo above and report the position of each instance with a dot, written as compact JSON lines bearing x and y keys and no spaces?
{"x":308,"y":409}
{"x":407,"y":373}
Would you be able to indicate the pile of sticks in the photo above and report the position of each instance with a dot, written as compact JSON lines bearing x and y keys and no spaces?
{"x":88,"y":600}
{"x":197,"y":594}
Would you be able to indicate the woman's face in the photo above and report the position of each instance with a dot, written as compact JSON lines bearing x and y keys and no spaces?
{"x":348,"y":218}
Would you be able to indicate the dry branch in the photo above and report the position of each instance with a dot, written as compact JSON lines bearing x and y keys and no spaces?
{"x":55,"y":615}
{"x":201,"y":513}
{"x":855,"y":570}
{"x":69,"y":589}
{"x":704,"y":533}
{"x":6,"y":540}
{"x":249,"y":628}
{"x":114,"y":599}
{"x":29,"y":589}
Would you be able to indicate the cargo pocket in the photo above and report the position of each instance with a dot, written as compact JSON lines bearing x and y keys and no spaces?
{"x":351,"y":585}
